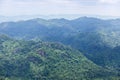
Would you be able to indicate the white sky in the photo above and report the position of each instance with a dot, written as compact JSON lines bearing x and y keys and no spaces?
{"x":47,"y":7}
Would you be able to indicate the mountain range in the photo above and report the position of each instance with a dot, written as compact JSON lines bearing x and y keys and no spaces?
{"x":98,"y":40}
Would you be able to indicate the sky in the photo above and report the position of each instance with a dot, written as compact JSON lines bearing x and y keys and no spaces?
{"x":58,"y":7}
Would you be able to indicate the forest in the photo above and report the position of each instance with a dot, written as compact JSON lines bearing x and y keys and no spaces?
{"x":85,"y":48}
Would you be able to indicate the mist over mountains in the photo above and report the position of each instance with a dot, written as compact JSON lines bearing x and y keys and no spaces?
{"x":52,"y":16}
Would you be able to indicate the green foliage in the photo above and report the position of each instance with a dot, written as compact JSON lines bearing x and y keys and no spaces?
{"x":36,"y":60}
{"x":98,"y":40}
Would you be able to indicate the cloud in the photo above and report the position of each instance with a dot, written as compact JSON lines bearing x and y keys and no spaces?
{"x":46,"y":7}
{"x":110,"y":1}
{"x":37,"y":7}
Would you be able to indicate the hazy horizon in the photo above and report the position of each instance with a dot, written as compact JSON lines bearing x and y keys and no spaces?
{"x":59,"y":7}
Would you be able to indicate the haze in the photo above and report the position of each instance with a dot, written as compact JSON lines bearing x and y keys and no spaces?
{"x":48,"y":7}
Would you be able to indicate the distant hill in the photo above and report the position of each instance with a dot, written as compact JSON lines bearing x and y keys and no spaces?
{"x":97,"y":39}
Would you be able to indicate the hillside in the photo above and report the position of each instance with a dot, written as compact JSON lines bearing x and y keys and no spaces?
{"x":97,"y":39}
{"x":31,"y":60}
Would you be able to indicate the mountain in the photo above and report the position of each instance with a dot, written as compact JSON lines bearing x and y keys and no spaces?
{"x":36,"y":60}
{"x":97,"y":39}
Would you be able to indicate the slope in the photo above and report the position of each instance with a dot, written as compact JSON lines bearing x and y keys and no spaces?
{"x":36,"y":60}
{"x":96,"y":38}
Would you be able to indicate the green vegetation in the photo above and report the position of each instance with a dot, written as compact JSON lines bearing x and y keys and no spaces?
{"x":98,"y":40}
{"x":36,"y":60}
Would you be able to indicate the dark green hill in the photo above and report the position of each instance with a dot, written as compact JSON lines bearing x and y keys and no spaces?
{"x":36,"y":60}
{"x":97,"y":39}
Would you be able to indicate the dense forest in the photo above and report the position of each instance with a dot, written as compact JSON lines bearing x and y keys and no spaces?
{"x":59,"y":49}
